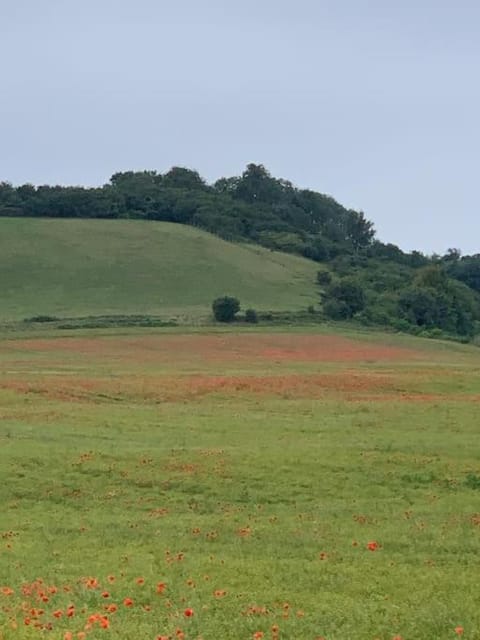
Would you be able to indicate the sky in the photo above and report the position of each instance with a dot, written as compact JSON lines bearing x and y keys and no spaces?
{"x":376,"y":103}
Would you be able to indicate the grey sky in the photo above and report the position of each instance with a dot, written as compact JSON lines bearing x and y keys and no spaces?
{"x":374,"y":102}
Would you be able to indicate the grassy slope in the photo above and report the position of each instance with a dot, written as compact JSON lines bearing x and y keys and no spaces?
{"x":93,"y":267}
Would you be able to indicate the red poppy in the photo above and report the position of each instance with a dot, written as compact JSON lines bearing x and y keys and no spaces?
{"x":188,"y":613}
{"x":104,"y":622}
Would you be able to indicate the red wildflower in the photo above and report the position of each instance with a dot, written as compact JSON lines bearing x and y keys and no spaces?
{"x":104,"y":622}
{"x":373,"y":545}
{"x":128,"y":602}
{"x":459,"y":631}
{"x":161,"y":586}
{"x":188,"y":613}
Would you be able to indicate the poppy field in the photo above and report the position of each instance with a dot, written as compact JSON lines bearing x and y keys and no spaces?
{"x":239,"y":486}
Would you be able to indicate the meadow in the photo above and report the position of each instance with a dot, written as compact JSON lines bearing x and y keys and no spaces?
{"x":238,"y":486}
{"x":81,"y":267}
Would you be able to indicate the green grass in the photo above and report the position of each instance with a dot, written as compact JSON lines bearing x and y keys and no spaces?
{"x":74,"y":268}
{"x":213,"y":464}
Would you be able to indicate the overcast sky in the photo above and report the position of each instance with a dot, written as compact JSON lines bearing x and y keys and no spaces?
{"x":375,"y":102}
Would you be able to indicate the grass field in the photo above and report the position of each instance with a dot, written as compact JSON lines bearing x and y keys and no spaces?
{"x":239,"y":486}
{"x":96,"y":267}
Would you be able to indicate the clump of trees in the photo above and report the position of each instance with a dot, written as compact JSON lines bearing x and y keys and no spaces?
{"x":426,"y":300}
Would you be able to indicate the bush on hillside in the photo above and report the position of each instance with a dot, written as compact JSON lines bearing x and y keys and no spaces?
{"x":251,"y":316}
{"x":225,"y":308}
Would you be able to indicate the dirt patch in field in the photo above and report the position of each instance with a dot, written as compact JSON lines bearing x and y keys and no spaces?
{"x":187,"y":388}
{"x":219,"y":348}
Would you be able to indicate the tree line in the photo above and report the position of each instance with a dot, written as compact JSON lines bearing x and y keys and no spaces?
{"x":254,"y":206}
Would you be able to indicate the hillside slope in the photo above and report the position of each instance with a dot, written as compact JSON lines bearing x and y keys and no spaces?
{"x":93,"y":267}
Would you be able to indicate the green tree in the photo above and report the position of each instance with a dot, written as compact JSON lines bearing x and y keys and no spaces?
{"x":344,"y":298}
{"x":225,"y":308}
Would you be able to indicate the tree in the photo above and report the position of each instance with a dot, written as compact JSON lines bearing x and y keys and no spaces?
{"x":225,"y":308}
{"x":182,"y":178}
{"x":344,"y":298}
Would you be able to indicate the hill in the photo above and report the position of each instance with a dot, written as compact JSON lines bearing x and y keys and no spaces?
{"x":94,"y":267}
{"x":361,"y":277}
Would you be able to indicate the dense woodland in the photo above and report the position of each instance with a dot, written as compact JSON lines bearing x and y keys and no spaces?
{"x":359,"y":277}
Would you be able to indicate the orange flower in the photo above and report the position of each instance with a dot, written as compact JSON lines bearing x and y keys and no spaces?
{"x":161,"y":586}
{"x":219,"y":593}
{"x":459,"y":631}
{"x":373,"y":545}
{"x":7,"y":591}
{"x":258,"y":635}
{"x":128,"y":602}
{"x":188,"y":613}
{"x":91,"y":583}
{"x":57,"y":614}
{"x":68,"y":635}
{"x":104,"y":622}
{"x":140,"y":581}
{"x":111,"y":608}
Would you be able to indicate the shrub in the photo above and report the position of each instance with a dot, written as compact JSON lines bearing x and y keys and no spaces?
{"x":251,"y":316}
{"x":42,"y":318}
{"x":225,"y":308}
{"x":324,"y":278}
